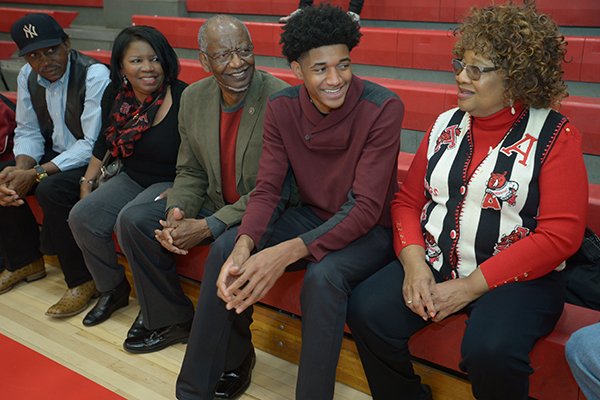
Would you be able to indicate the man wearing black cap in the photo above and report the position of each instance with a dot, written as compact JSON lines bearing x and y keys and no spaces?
{"x":58,"y":120}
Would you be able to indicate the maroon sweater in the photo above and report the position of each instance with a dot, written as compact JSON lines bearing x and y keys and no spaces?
{"x":344,"y":163}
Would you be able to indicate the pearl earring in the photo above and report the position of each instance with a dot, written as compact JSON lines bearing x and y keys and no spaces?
{"x":512,"y":108}
{"x":125,"y":80}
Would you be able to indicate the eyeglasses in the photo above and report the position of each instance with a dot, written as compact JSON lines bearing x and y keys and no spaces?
{"x":226,"y":56}
{"x":473,"y":71}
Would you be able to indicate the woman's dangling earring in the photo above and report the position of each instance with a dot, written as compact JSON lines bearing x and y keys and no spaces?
{"x":126,"y":82}
{"x":512,"y":108}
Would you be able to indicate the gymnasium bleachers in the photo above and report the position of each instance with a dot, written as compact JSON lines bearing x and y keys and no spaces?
{"x":423,"y":101}
{"x":391,"y":47}
{"x":7,"y":49}
{"x":567,"y":13}
{"x":409,"y":35}
{"x":9,"y":15}
{"x":75,"y":3}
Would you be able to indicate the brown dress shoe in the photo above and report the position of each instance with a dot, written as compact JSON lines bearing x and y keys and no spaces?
{"x":28,"y":273}
{"x":74,"y":301}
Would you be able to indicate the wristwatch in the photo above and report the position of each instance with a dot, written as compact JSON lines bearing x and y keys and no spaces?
{"x":41,"y":172}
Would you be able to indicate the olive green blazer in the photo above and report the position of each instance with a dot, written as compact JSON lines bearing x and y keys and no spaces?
{"x":198,"y":181}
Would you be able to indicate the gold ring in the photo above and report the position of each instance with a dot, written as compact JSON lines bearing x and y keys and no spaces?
{"x":408,"y":301}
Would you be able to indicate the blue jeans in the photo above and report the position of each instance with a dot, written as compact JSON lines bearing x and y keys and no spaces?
{"x":583,"y":355}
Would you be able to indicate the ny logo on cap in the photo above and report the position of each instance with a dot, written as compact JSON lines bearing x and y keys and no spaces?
{"x":30,"y":32}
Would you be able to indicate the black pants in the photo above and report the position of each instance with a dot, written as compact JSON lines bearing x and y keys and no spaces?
{"x":221,"y":339}
{"x":355,"y":5}
{"x":20,"y":241}
{"x":503,"y":326}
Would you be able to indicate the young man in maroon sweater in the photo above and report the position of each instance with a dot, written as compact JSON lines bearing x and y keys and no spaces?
{"x":336,"y":138}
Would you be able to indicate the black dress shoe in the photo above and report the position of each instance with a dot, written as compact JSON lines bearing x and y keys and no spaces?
{"x":234,"y":383}
{"x":158,"y":339}
{"x":426,"y":392}
{"x":108,"y":303}
{"x":137,"y":328}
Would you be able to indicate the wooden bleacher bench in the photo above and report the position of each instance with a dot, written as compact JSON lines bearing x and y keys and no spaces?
{"x":565,"y":13}
{"x":391,"y":47}
{"x":9,"y":15}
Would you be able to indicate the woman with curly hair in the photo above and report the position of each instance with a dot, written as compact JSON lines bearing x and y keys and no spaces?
{"x":494,"y":202}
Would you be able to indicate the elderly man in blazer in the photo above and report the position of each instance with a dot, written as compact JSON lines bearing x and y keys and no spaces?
{"x":221,"y":127}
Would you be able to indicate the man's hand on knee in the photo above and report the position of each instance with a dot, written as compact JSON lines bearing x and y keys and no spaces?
{"x":232,"y":268}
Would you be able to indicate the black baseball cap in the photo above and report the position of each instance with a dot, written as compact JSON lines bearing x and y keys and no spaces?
{"x":36,"y":31}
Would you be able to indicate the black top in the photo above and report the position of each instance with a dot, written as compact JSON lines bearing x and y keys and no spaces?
{"x":155,"y":153}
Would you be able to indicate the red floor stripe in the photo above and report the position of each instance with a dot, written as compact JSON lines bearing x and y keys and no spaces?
{"x":26,"y":374}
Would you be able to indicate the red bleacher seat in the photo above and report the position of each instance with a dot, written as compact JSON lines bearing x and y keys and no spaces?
{"x":392,"y":47}
{"x":590,"y":60}
{"x":11,"y":95}
{"x":423,"y":101}
{"x":73,"y":3}
{"x":552,"y":379}
{"x":594,"y":208}
{"x":567,"y":13}
{"x":582,"y":112}
{"x":9,"y":15}
{"x":7,"y":48}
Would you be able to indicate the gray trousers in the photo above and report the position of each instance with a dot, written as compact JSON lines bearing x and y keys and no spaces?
{"x":221,"y":339}
{"x":94,"y":219}
{"x":156,"y":281}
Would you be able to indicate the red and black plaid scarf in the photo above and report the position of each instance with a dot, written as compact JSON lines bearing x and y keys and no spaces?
{"x":129,"y":119}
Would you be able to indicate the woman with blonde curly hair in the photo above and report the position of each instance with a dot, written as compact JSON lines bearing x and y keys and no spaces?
{"x":494,"y":202}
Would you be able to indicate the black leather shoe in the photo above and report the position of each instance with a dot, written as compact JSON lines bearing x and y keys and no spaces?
{"x":137,"y":328}
{"x":234,"y":383}
{"x":158,"y":339}
{"x":108,"y":303}
{"x":426,"y":392}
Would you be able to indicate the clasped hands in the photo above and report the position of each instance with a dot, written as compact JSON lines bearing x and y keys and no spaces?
{"x":179,"y":234}
{"x":15,"y":183}
{"x":435,"y":301}
{"x":246,"y":278}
